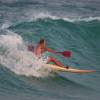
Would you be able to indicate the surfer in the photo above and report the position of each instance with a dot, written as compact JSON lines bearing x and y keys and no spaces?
{"x":41,"y":48}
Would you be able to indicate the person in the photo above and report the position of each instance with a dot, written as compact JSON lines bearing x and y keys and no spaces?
{"x":41,"y":48}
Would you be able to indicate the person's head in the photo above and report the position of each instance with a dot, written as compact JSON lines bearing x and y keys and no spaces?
{"x":42,"y":43}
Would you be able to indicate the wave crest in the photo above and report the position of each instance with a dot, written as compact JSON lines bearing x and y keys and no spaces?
{"x":65,"y":18}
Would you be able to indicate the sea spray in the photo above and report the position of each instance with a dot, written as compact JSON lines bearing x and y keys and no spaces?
{"x":15,"y":56}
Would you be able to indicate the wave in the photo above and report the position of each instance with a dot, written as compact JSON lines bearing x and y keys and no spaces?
{"x":31,"y":17}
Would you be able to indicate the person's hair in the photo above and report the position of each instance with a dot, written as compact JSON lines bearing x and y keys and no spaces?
{"x":41,"y":41}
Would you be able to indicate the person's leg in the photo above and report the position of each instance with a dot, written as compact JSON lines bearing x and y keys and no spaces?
{"x":51,"y":59}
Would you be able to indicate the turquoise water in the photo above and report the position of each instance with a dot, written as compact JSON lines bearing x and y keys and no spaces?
{"x":65,"y":25}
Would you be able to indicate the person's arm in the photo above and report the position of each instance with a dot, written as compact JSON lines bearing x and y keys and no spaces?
{"x":50,"y":50}
{"x":51,"y":59}
{"x":64,"y":53}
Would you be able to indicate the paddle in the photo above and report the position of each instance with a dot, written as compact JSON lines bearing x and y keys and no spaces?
{"x":65,"y":53}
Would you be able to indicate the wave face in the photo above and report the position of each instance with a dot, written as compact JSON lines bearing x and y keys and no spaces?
{"x":65,"y":25}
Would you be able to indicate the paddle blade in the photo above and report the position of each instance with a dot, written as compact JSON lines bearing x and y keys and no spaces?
{"x":66,"y":53}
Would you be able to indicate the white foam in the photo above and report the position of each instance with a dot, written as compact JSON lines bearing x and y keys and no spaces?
{"x":6,"y":25}
{"x":86,"y":19}
{"x":19,"y":60}
{"x":44,"y":15}
{"x":10,"y":40}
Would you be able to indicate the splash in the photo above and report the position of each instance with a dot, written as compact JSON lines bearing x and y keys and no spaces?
{"x":14,"y":55}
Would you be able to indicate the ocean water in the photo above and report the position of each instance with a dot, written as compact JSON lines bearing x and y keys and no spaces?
{"x":65,"y":25}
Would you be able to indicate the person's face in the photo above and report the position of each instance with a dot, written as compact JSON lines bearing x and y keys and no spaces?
{"x":43,"y":46}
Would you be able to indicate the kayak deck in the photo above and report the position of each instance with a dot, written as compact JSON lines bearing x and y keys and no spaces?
{"x":73,"y":70}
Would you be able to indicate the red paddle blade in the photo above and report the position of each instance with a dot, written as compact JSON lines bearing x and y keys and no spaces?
{"x":66,"y":53}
